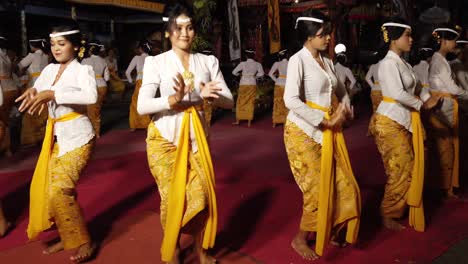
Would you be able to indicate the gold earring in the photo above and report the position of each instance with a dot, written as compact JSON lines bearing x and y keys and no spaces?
{"x":166,"y":34}
{"x":76,"y":49}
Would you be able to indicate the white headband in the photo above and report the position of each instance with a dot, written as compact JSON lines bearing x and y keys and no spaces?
{"x":34,"y":40}
{"x":54,"y":35}
{"x":148,"y":46}
{"x":2,"y":38}
{"x":249,"y":51}
{"x":425,"y":49}
{"x":393,"y":24}
{"x":182,"y":20}
{"x":281,"y":52}
{"x":446,"y":29}
{"x":313,"y":19}
{"x":94,"y":44}
{"x":462,"y":41}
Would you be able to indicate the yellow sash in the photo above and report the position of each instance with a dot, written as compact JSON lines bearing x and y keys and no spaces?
{"x":98,"y":76}
{"x":282,"y":76}
{"x":377,"y":83}
{"x":330,"y":140}
{"x":4,"y":77}
{"x":38,"y":214}
{"x":425,"y":85}
{"x":415,"y":192}
{"x":456,"y":140}
{"x":35,"y":74}
{"x":176,"y":200}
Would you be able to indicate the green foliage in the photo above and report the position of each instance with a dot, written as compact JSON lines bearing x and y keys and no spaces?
{"x":203,"y":10}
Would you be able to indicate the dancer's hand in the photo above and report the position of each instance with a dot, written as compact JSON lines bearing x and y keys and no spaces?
{"x":209,"y":90}
{"x":180,"y":90}
{"x":40,"y":100}
{"x":432,"y":102}
{"x":336,"y":120}
{"x":26,"y":99}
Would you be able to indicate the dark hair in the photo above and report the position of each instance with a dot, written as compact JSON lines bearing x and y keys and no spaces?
{"x":248,"y":55}
{"x":3,"y":42}
{"x":77,"y":40}
{"x":306,"y":29}
{"x":393,"y":33}
{"x":39,"y":43}
{"x":145,"y":45}
{"x":424,"y":54}
{"x":174,"y":11}
{"x":341,"y":58}
{"x":285,"y":55}
{"x":439,"y":35}
{"x":95,"y":47}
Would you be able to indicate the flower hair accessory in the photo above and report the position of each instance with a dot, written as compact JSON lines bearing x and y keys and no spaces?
{"x":436,"y":36}
{"x":385,"y":34}
{"x":82,"y":50}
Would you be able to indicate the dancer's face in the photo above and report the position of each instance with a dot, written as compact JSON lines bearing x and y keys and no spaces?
{"x":449,"y":45}
{"x":62,"y":49}
{"x":320,"y":41}
{"x":183,"y":33}
{"x":405,"y":41}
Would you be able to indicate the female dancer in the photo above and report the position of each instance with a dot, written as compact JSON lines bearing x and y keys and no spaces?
{"x":314,"y":142}
{"x":178,"y":153}
{"x":67,"y":87}
{"x":398,"y":131}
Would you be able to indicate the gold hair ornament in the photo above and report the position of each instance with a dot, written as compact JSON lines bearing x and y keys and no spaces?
{"x":82,"y":50}
{"x":385,"y":34}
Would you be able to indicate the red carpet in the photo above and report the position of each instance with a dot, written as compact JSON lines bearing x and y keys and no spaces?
{"x":259,"y":203}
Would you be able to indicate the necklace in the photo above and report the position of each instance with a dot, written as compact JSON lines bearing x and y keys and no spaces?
{"x":189,"y":80}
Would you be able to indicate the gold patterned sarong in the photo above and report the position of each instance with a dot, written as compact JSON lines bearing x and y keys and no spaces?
{"x":343,"y":201}
{"x":8,"y":103}
{"x":442,"y":152}
{"x":94,"y":110}
{"x":115,"y":83}
{"x":63,"y":206}
{"x":52,"y":191}
{"x":280,"y":112}
{"x":448,"y":144}
{"x":33,"y":127}
{"x":186,"y":184}
{"x":395,"y":144}
{"x":136,"y":120}
{"x":208,"y":112}
{"x":376,"y":98}
{"x":245,"y":105}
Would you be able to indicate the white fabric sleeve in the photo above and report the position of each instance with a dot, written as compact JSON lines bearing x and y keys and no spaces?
{"x":130,"y":68}
{"x":273,"y":69}
{"x":260,"y":72}
{"x":238,"y":68}
{"x":147,"y":103}
{"x":292,"y":95}
{"x":225,"y":99}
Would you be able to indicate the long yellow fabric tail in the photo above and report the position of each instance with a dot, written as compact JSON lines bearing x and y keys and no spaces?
{"x":330,"y":140}
{"x":176,"y":199}
{"x":415,"y":192}
{"x":39,"y":219}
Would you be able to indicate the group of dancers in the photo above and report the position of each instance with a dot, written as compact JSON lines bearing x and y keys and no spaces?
{"x":174,"y":87}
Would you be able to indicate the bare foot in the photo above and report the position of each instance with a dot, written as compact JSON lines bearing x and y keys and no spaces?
{"x":336,"y":243}
{"x":176,"y":258}
{"x":205,"y":258}
{"x":451,"y":196}
{"x":392,"y":224}
{"x":301,"y":247}
{"x":4,"y":228}
{"x":236,"y":123}
{"x":84,"y":253}
{"x":54,"y":248}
